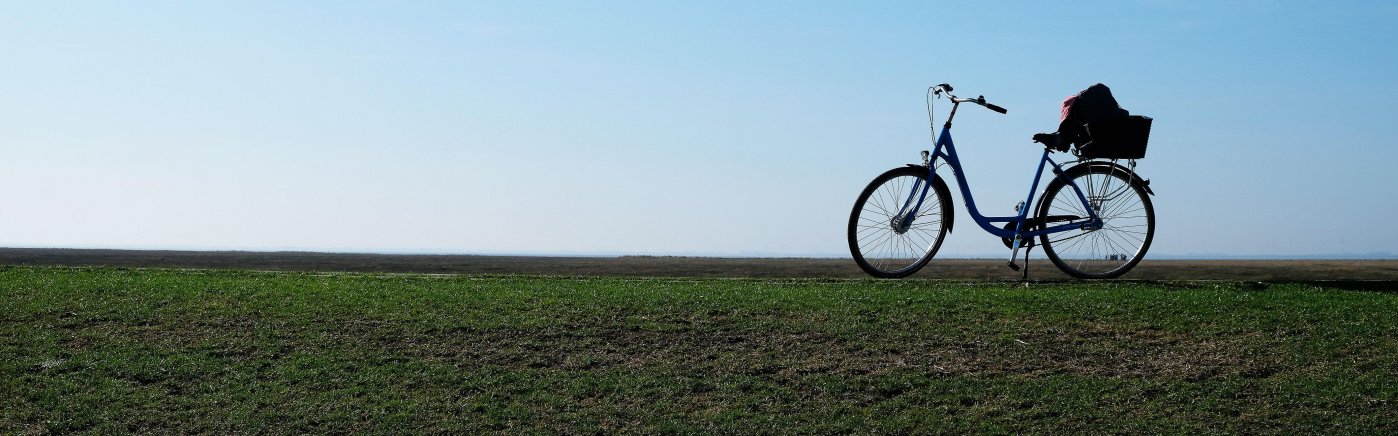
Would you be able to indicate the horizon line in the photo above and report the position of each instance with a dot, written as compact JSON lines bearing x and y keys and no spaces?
{"x":720,"y":255}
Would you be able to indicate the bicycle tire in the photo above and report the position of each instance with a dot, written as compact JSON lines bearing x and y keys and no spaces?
{"x":877,"y":245}
{"x":1121,"y":199}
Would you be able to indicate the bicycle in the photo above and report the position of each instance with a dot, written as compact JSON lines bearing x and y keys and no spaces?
{"x":1099,"y":232}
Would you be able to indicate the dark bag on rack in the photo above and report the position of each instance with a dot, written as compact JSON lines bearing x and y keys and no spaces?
{"x":1099,"y":128}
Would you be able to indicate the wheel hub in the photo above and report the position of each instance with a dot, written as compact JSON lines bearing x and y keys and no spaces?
{"x":900,"y":225}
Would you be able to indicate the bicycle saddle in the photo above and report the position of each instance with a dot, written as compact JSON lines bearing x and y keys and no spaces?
{"x":1051,"y":140}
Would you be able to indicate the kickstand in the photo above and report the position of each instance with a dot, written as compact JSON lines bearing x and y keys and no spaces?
{"x":1026,"y":263}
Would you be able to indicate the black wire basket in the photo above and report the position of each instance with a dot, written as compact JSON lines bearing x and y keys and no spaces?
{"x":1117,"y":138}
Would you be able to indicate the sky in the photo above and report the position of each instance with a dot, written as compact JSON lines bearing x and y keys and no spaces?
{"x":742,"y":128}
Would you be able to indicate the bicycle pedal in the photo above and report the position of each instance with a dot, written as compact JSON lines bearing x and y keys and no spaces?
{"x":1012,"y":265}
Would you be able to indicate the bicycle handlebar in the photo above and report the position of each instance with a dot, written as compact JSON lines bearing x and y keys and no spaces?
{"x":980,"y":100}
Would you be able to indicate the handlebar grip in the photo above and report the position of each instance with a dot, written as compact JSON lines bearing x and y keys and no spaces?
{"x":995,"y":108}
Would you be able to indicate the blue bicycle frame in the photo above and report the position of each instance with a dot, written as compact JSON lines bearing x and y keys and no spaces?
{"x":946,"y":150}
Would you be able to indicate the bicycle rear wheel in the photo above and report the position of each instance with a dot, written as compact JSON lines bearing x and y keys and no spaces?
{"x":882,"y":244}
{"x":1128,"y":221}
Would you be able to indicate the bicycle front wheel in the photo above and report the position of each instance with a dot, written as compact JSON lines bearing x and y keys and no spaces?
{"x":886,"y":244}
{"x":1128,"y":221}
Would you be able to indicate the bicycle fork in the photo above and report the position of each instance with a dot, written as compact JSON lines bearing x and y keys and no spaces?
{"x":906,"y":215}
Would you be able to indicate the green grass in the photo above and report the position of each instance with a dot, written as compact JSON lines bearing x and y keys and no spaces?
{"x":171,"y":351}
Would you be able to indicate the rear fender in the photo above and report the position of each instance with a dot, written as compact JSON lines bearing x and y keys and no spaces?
{"x":1098,"y":166}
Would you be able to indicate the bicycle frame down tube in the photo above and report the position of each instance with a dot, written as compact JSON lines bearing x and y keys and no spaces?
{"x":945,"y":149}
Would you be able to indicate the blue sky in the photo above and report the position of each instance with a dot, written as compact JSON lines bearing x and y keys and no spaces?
{"x":714,"y":128}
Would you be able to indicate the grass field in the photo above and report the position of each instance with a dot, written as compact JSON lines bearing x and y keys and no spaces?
{"x":179,"y":351}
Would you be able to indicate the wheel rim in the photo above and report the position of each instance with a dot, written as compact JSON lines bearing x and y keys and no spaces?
{"x":1127,"y":226}
{"x":876,"y":237}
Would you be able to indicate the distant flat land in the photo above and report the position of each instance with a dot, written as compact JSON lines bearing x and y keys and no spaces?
{"x":663,"y":266}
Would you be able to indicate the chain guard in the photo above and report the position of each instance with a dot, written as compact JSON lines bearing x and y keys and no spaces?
{"x":1032,"y":224}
